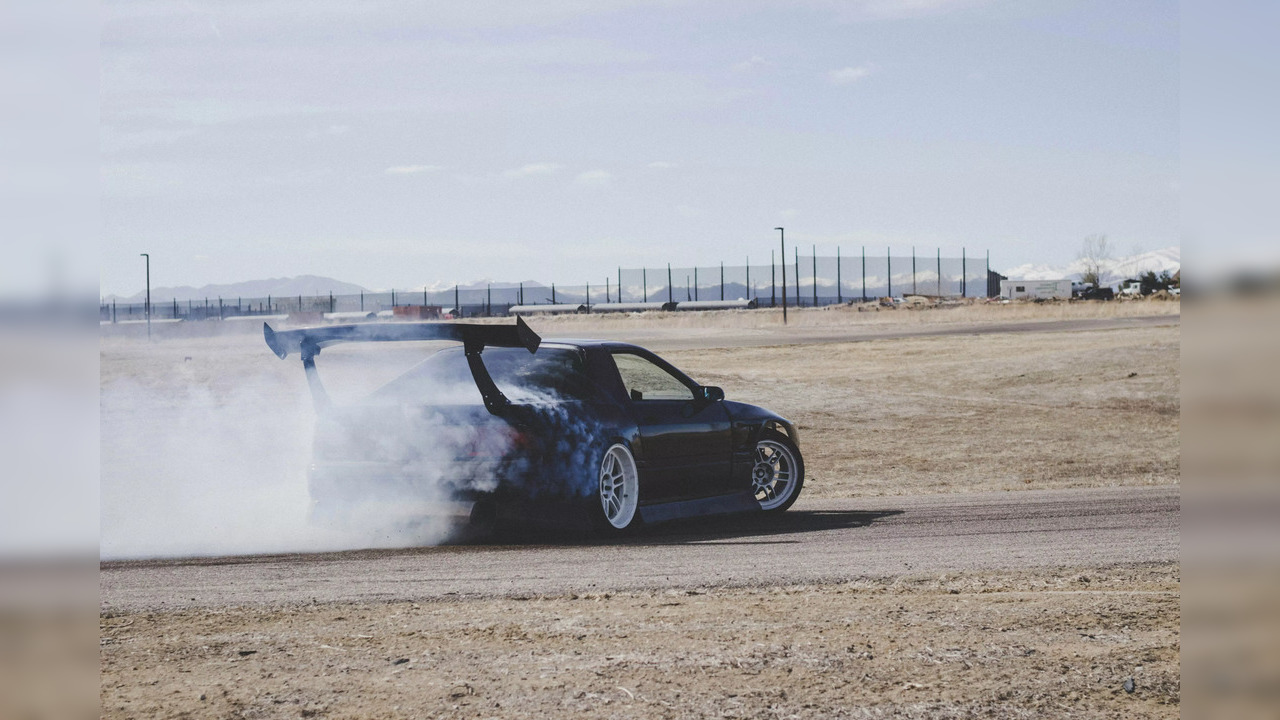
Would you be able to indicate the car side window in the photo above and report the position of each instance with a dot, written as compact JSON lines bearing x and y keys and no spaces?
{"x":647,"y":381}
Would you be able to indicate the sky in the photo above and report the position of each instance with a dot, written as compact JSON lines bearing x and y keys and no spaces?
{"x":409,"y":144}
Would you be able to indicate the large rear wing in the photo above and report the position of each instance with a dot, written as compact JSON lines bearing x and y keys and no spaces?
{"x":307,"y":342}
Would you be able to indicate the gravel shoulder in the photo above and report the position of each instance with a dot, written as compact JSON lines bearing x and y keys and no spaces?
{"x":1011,"y":644}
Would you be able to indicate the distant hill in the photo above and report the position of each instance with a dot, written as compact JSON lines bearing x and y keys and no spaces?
{"x":1113,"y":271}
{"x":309,"y":285}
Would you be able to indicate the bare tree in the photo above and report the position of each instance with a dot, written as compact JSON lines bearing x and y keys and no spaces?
{"x":1095,"y":253}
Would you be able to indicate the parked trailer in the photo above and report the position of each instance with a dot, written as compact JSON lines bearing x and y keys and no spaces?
{"x":1015,"y":289}
{"x":717,"y":305}
{"x":559,"y":309}
{"x":632,"y":307}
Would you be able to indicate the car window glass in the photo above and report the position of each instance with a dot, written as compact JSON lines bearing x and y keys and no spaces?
{"x":647,"y":381}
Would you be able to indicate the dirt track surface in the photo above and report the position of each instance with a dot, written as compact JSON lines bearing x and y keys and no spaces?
{"x":822,"y":541}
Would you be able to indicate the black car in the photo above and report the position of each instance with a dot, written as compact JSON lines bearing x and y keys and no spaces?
{"x":513,"y":426}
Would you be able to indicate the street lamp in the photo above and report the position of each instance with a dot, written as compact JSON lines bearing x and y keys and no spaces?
{"x":148,"y":307}
{"x":782,"y":237}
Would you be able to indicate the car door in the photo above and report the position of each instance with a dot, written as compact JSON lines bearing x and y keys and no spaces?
{"x":685,"y":438}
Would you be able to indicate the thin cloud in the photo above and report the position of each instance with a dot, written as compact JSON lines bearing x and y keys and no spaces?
{"x":753,"y":62}
{"x":662,"y":165}
{"x":412,"y":169}
{"x":848,"y":75}
{"x":594,"y":177}
{"x":531,"y":170}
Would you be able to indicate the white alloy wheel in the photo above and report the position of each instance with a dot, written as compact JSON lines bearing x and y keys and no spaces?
{"x":619,"y":486}
{"x":774,"y":475}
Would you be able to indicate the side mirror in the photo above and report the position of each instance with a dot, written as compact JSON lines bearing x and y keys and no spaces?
{"x":711,"y":393}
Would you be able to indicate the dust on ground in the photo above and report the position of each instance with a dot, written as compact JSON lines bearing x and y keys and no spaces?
{"x":995,"y":645}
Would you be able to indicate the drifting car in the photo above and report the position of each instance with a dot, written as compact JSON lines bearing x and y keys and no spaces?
{"x":513,"y":426}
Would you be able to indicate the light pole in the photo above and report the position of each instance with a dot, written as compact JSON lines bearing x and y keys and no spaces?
{"x":782,"y":237}
{"x":148,"y":307}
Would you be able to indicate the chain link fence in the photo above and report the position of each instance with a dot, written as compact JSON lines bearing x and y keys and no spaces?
{"x":810,"y":281}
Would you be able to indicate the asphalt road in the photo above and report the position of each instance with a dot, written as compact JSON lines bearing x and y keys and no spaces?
{"x":816,"y":542}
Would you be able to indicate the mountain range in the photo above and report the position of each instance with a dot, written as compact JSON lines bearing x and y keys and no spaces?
{"x":309,"y":285}
{"x":1113,"y":270}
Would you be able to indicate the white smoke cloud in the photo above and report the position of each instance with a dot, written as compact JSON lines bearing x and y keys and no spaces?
{"x":217,"y":461}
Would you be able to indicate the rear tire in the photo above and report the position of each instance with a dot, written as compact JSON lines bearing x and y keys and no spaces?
{"x":777,"y":476}
{"x":617,"y":491}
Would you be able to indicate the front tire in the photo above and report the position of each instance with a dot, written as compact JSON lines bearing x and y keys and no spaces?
{"x":777,"y":475}
{"x":617,"y":490}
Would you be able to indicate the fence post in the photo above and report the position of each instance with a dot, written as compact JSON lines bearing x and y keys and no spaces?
{"x":553,"y":293}
{"x":268,"y":305}
{"x":964,"y":275}
{"x":175,"y":308}
{"x":457,"y":305}
{"x":839,"y":290}
{"x":670,"y":298}
{"x":913,"y":270}
{"x":721,"y":279}
{"x":864,"y":273}
{"x":695,"y":282}
{"x":644,"y":282}
{"x":747,"y":288}
{"x":521,"y":295}
{"x":939,"y":272}
{"x":488,"y":300}
{"x":773,"y":280}
{"x":815,"y":276}
{"x":113,"y":310}
{"x":588,"y":296}
{"x":619,"y":283}
{"x":608,"y":294}
{"x":888,"y":260}
{"x":219,"y":308}
{"x":989,"y":293}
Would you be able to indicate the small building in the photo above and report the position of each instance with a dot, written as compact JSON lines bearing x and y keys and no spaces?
{"x":1035,"y":289}
{"x":417,"y":312}
{"x":993,"y":283}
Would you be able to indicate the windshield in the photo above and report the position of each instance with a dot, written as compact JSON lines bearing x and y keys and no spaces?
{"x":550,"y":374}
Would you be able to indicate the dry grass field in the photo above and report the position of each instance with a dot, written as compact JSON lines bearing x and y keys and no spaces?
{"x":968,"y":413}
